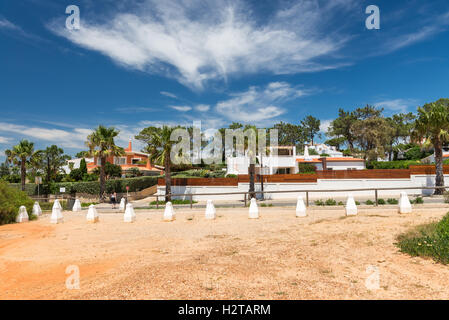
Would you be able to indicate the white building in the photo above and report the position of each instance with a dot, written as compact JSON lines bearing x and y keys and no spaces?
{"x":283,"y":160}
{"x":76,"y":164}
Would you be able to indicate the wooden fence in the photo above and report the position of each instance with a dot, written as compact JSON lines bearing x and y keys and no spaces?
{"x":309,"y":178}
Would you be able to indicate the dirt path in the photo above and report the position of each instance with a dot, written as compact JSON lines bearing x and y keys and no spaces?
{"x":323,"y":256}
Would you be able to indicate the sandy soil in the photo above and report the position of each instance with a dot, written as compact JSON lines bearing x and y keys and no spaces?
{"x":323,"y":256}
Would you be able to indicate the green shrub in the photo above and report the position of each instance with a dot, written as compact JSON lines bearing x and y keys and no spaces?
{"x":381,"y":201}
{"x":11,"y":200}
{"x":418,"y":200}
{"x":357,"y":203}
{"x":415,"y":153}
{"x":231,"y":176}
{"x":266,"y":205}
{"x":319,"y":203}
{"x":177,"y":201}
{"x":331,"y":202}
{"x":369,"y":202}
{"x":86,"y":205}
{"x":47,"y":206}
{"x":392,"y":201}
{"x":400,"y":164}
{"x":306,"y":168}
{"x":430,"y":240}
{"x":340,"y":203}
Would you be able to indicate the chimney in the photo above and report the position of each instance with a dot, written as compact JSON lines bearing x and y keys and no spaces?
{"x":130,"y":146}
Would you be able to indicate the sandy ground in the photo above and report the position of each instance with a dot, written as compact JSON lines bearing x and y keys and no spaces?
{"x":279,"y":256}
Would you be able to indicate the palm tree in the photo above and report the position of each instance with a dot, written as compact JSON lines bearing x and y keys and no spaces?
{"x":23,"y":155}
{"x":159,"y":146}
{"x":101,"y":146}
{"x":432,"y":125}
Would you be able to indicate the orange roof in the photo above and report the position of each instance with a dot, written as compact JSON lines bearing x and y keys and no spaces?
{"x":309,"y":161}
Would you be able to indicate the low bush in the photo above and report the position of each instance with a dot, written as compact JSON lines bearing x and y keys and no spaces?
{"x":266,"y":205}
{"x":330,"y":202}
{"x":199,"y":173}
{"x":381,"y":201}
{"x":400,"y":164}
{"x":11,"y":199}
{"x":430,"y":240}
{"x":417,"y":200}
{"x":47,"y":206}
{"x":306,"y":168}
{"x":86,"y":205}
{"x":319,"y":202}
{"x":369,"y":202}
{"x":231,"y":176}
{"x":341,"y":203}
{"x":174,"y":202}
{"x":392,"y":201}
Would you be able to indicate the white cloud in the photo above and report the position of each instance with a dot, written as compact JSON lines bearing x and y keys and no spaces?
{"x":4,"y":140}
{"x":197,"y":42}
{"x":136,"y":110}
{"x":258,"y":104}
{"x":6,"y":24}
{"x":181,"y":108}
{"x":202,"y":107}
{"x":324,"y":125}
{"x":169,"y":94}
{"x":397,"y":105}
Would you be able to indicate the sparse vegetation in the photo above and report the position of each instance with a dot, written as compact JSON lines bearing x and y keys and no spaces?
{"x":392,"y":201}
{"x":381,"y":201}
{"x":369,"y":202}
{"x":174,"y":202}
{"x":331,"y":202}
{"x":417,"y":200}
{"x":429,"y":240}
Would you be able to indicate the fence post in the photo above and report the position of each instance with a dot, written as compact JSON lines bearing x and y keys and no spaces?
{"x":157,"y":202}
{"x":307,"y":198}
{"x":375,"y":196}
{"x":191,"y":201}
{"x":244,"y":198}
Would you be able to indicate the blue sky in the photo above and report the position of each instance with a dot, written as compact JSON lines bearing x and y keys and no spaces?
{"x":138,"y":63}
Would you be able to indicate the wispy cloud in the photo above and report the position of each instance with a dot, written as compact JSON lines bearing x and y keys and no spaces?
{"x":4,"y":140}
{"x":259,"y":104}
{"x":324,"y":125}
{"x":202,"y":107}
{"x":397,"y":105}
{"x":197,"y":42}
{"x":181,"y":108}
{"x":169,"y":94}
{"x":6,"y":24}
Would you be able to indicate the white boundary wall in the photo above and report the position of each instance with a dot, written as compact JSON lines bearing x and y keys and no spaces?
{"x":321,"y":184}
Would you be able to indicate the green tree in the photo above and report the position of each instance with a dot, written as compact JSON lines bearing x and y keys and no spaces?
{"x":289,"y":134}
{"x":341,"y":127}
{"x":336,"y":142}
{"x":83,"y":167}
{"x":23,"y":155}
{"x":101,"y":146}
{"x":311,"y":127}
{"x":53,"y":159}
{"x":158,"y":146}
{"x":401,"y":125}
{"x":432,"y":125}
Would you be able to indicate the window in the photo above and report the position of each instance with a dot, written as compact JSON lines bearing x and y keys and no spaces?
{"x":136,"y":160}
{"x":120,"y":161}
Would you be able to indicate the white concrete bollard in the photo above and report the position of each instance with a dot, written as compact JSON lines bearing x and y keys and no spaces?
{"x":253,"y":209}
{"x":56,"y":213}
{"x":210,"y":210}
{"x":404,"y":204}
{"x":37,"y":211}
{"x":23,"y":215}
{"x":92,"y":214}
{"x":169,"y":213}
{"x":351,"y":208}
{"x":122,"y":205}
{"x":77,"y":206}
{"x":130,"y":215}
{"x":301,"y":208}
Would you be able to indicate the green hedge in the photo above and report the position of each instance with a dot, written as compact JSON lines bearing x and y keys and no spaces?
{"x":117,"y":185}
{"x":11,"y":200}
{"x":400,"y":164}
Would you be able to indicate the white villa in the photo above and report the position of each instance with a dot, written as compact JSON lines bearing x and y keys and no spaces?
{"x":285,"y":161}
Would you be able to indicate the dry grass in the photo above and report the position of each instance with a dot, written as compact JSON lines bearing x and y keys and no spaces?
{"x":277,"y":256}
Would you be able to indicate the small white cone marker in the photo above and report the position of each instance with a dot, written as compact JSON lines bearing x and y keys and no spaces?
{"x":92,"y":214}
{"x":77,"y":206}
{"x":351,"y":208}
{"x":253,"y":210}
{"x":56,"y":213}
{"x":169,"y":213}
{"x":404,"y":204}
{"x":23,"y":215}
{"x":130,"y":215}
{"x":122,"y":205}
{"x":301,"y":208}
{"x":37,"y":211}
{"x":210,"y":210}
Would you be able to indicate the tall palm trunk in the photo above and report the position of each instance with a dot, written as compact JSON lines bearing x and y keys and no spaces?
{"x":167,"y":179}
{"x":439,"y":179}
{"x":102,"y":178}
{"x":23,"y":172}
{"x":252,"y":169}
